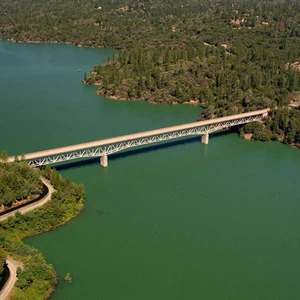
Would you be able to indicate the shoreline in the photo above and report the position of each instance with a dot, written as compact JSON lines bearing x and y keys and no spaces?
{"x":151,"y":101}
{"x":249,"y":137}
{"x":51,"y":42}
{"x":25,"y":207}
{"x":40,"y":217}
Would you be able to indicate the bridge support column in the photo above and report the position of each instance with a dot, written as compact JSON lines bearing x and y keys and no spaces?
{"x":104,"y":161}
{"x":205,"y":138}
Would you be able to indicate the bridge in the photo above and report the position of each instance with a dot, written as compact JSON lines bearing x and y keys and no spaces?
{"x":105,"y":147}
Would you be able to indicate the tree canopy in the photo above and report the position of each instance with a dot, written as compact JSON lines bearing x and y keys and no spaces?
{"x":18,"y":182}
{"x":230,"y":56}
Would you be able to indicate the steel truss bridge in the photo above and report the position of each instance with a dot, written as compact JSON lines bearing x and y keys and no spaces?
{"x":105,"y":147}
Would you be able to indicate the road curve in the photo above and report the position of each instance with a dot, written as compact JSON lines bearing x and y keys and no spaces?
{"x":12,"y":265}
{"x":34,"y":205}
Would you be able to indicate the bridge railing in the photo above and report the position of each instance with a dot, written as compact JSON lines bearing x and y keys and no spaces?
{"x":114,"y":145}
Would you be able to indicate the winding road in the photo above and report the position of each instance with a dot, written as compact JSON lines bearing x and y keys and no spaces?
{"x":13,"y":264}
{"x":34,"y":205}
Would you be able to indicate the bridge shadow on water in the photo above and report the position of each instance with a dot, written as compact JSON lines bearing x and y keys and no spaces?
{"x":139,"y":150}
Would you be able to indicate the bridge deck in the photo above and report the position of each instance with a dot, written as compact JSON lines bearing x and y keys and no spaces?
{"x":128,"y":137}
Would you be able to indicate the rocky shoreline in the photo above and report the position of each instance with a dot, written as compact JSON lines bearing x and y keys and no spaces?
{"x":115,"y":97}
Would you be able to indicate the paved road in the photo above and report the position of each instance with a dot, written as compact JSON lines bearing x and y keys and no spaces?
{"x":32,"y":206}
{"x":124,"y":138}
{"x":13,"y":265}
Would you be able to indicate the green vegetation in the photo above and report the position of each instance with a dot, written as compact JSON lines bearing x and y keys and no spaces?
{"x":282,"y":125}
{"x":68,"y":278}
{"x":18,"y":182}
{"x":3,"y":156}
{"x":230,"y":56}
{"x":2,"y":262}
{"x":38,"y":279}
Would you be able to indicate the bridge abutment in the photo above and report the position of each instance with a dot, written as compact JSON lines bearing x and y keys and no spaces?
{"x":205,"y":138}
{"x":104,"y":161}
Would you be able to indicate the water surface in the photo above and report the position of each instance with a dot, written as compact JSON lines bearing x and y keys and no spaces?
{"x":184,"y":222}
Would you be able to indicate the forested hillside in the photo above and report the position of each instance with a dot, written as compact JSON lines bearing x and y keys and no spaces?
{"x":18,"y":182}
{"x":230,"y":56}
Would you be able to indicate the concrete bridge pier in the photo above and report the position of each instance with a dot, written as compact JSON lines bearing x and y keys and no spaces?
{"x":103,"y":147}
{"x":104,"y":161}
{"x":205,"y":138}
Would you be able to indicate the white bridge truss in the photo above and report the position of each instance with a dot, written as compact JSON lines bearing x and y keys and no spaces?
{"x":120,"y":146}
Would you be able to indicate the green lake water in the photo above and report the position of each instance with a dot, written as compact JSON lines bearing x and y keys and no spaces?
{"x":183,"y":221}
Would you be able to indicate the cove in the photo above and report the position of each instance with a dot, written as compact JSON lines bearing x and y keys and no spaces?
{"x":183,"y":222}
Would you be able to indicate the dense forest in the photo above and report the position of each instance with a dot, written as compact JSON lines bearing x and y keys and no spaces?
{"x":2,"y":263}
{"x":38,"y":279}
{"x":230,"y":56}
{"x":18,"y":182}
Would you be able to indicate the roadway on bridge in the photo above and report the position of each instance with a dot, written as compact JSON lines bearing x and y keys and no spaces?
{"x":124,"y":138}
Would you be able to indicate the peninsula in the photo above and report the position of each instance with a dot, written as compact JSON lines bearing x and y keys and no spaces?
{"x":37,"y":279}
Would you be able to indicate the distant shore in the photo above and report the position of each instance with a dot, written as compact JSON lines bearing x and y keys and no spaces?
{"x":51,"y":42}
